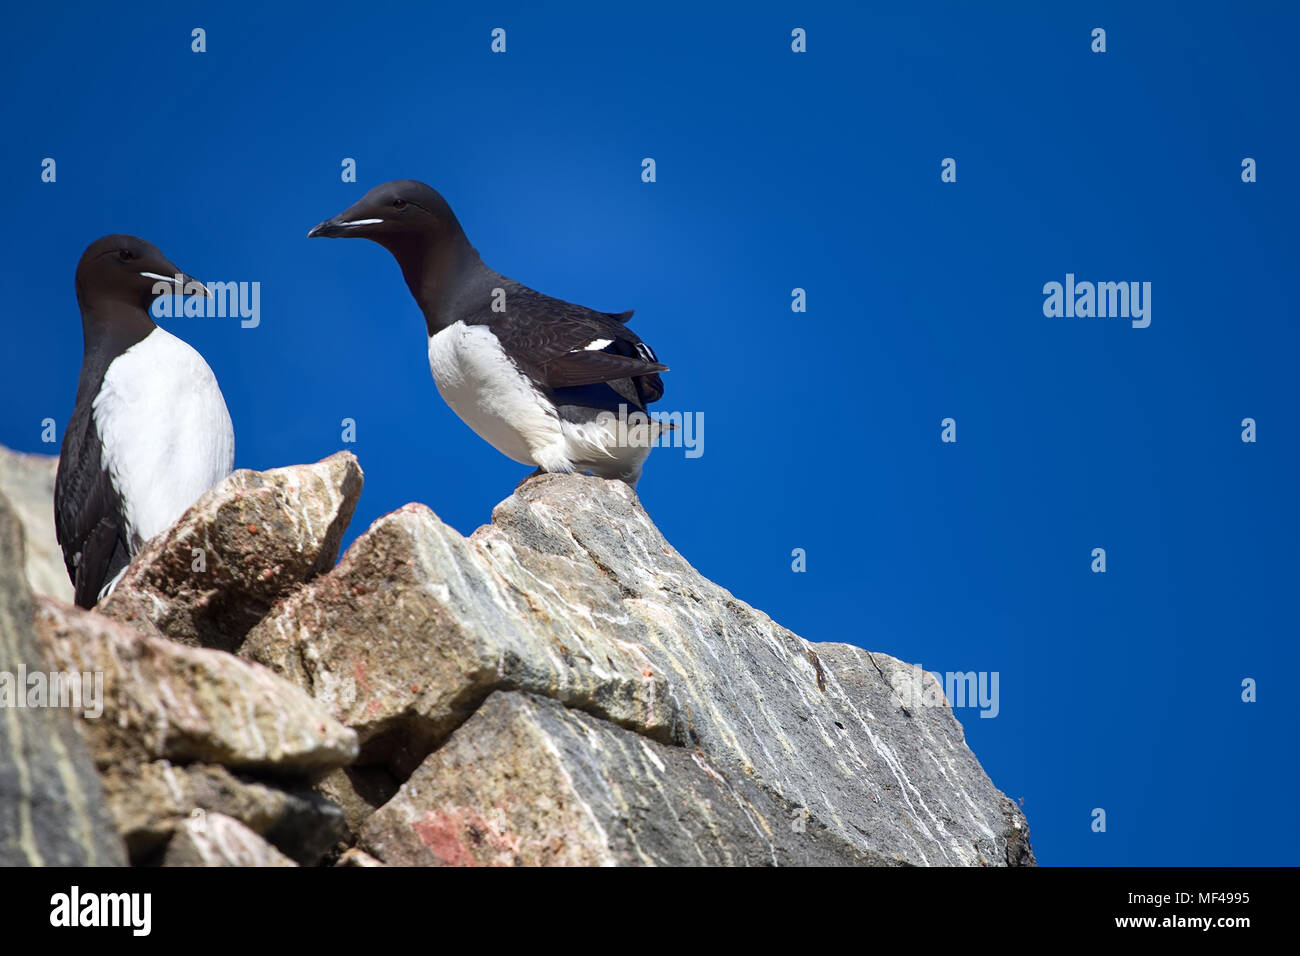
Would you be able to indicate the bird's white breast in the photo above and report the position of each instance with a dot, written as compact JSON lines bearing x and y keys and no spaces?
{"x":485,"y":388}
{"x":165,"y":430}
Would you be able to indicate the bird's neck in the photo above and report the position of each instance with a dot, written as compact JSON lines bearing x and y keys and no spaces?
{"x":107,"y":329}
{"x":113,"y":325}
{"x":444,"y":279}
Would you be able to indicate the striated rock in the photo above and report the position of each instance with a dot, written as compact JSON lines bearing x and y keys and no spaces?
{"x":560,"y":688}
{"x":414,"y":629}
{"x":52,"y":809}
{"x":571,"y":594}
{"x":924,"y":749}
{"x":166,"y":701}
{"x":241,"y":547}
{"x":213,"y":839}
{"x":1016,"y":831}
{"x":529,"y":782}
{"x":28,"y":482}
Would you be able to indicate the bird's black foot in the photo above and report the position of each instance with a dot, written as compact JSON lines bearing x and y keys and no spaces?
{"x":529,"y":477}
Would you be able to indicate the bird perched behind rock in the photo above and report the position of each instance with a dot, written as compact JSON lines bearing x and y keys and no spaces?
{"x":150,"y":431}
{"x":542,"y":380}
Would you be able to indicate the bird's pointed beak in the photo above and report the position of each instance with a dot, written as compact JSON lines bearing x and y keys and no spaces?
{"x":342,"y":226}
{"x":350,"y":222}
{"x":181,"y":283}
{"x":327,"y":229}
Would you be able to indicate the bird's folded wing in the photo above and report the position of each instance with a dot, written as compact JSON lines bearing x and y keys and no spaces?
{"x":589,"y":368}
{"x":85,"y":506}
{"x":568,"y":345}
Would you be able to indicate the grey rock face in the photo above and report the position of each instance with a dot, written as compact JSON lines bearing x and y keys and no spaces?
{"x":52,"y":809}
{"x":923,"y":750}
{"x":560,"y":688}
{"x":527,"y":781}
{"x":571,"y":594}
{"x":28,"y":482}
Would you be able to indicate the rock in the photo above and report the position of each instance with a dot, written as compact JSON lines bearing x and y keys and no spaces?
{"x":150,"y":801}
{"x":181,"y":730}
{"x":572,"y":595}
{"x":358,"y":792}
{"x":1016,"y":831}
{"x":561,"y":687}
{"x":214,"y":839}
{"x":52,"y":809}
{"x":166,"y":701}
{"x":910,"y":737}
{"x":414,"y":629}
{"x":28,"y":482}
{"x":355,"y":857}
{"x":245,"y":544}
{"x":529,"y":782}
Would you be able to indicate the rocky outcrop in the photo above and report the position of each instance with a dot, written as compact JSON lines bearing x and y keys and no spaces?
{"x":151,"y":801}
{"x":529,"y":781}
{"x":52,"y":810}
{"x":27,"y":481}
{"x":562,"y":687}
{"x":164,"y":736}
{"x":571,"y":595}
{"x":185,"y":730}
{"x":165,"y":701}
{"x":246,"y":543}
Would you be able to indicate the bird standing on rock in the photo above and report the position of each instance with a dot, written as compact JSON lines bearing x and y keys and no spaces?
{"x":149,"y":433}
{"x":542,"y":380}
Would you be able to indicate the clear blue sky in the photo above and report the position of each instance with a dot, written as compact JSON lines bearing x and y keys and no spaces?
{"x":775,"y":170}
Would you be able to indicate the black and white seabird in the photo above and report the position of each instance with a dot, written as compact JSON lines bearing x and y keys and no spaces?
{"x":540,"y":379}
{"x":150,"y":431}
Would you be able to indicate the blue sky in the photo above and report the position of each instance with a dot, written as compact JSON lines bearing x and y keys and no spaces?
{"x":778,"y":170}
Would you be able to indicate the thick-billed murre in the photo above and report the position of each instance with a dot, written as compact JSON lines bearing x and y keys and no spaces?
{"x":540,"y":379}
{"x":150,"y":431}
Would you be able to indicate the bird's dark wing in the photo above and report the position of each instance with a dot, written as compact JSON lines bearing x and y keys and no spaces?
{"x":85,"y":503}
{"x":638,"y":390}
{"x":569,"y":345}
{"x":589,"y":367}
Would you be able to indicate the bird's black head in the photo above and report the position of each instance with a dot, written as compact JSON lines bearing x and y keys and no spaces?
{"x":397,"y":213}
{"x":127,"y":270}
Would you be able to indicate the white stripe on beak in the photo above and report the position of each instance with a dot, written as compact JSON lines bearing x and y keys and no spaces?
{"x":361,"y":222}
{"x":154,"y":275}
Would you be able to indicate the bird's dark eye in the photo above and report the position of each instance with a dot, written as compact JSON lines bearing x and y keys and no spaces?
{"x":399,"y":203}
{"x":125,"y":254}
